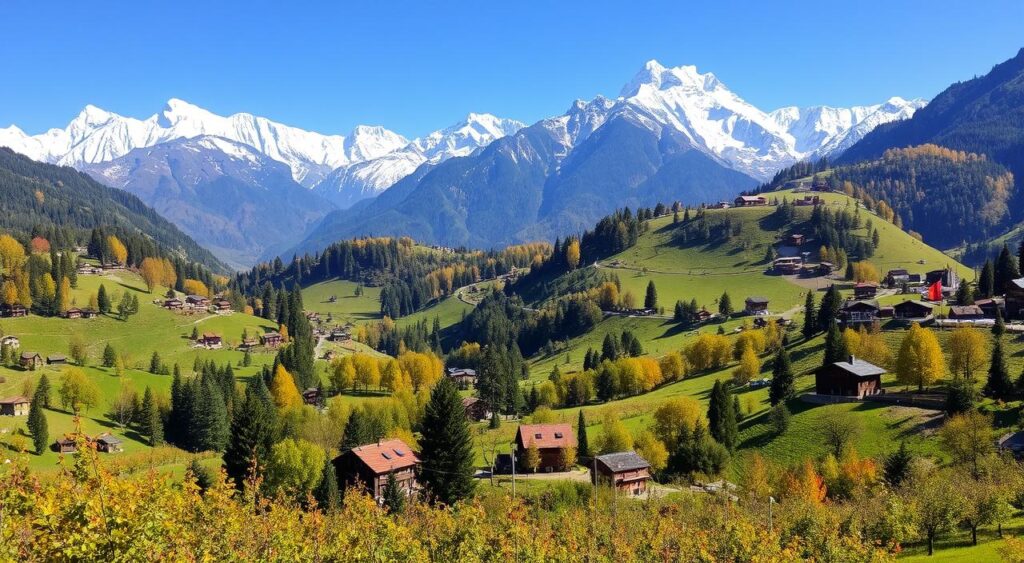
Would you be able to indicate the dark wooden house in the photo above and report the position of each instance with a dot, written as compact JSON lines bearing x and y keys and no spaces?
{"x":371,"y":466}
{"x":750,"y":201}
{"x":30,"y":360}
{"x":756,"y":305}
{"x":549,"y":439}
{"x":271,"y":339}
{"x":626,"y":471}
{"x":913,"y":310}
{"x":109,"y":443}
{"x":865,"y":290}
{"x":56,"y":359}
{"x":851,"y":378}
{"x":477,"y":409}
{"x":861,"y":311}
{"x":966,"y":312}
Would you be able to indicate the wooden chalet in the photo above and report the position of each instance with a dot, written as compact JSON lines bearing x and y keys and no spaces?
{"x":15,"y":406}
{"x":966,"y":312}
{"x":89,"y":313}
{"x":109,"y":443}
{"x":1014,"y":298}
{"x":826,"y":268}
{"x":211,"y":341}
{"x":626,"y":471}
{"x":197,"y":301}
{"x":30,"y":360}
{"x":865,"y":290}
{"x":248,"y":344}
{"x":989,"y":306}
{"x":477,"y":409}
{"x":174,"y":304}
{"x":73,"y":313}
{"x":371,"y":466}
{"x":897,"y":277}
{"x":787,"y":265}
{"x":852,"y":378}
{"x":66,"y":445}
{"x":56,"y":360}
{"x":339,"y":335}
{"x":222,"y":305}
{"x":311,"y":396}
{"x":704,"y":315}
{"x":89,"y":270}
{"x":756,"y":305}
{"x":750,"y":201}
{"x":808,"y":200}
{"x":859,"y":311}
{"x":13,"y":311}
{"x":464,"y":378}
{"x":550,"y":440}
{"x":271,"y":339}
{"x":913,"y":310}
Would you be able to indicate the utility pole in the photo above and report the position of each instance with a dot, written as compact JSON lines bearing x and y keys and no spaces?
{"x":771,"y":501}
{"x":513,"y":472}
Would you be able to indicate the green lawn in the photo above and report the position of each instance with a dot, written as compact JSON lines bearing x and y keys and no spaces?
{"x":347,"y":307}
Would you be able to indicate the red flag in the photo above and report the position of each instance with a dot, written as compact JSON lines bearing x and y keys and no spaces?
{"x":935,"y":291}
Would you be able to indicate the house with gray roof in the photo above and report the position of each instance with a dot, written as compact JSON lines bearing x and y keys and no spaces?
{"x":626,"y":471}
{"x":851,"y":378}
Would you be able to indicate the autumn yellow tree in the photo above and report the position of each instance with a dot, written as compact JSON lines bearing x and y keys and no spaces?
{"x":282,"y":388}
{"x":872,"y":347}
{"x":152,"y":272}
{"x":572,"y":254}
{"x":615,"y":438}
{"x":10,"y":293}
{"x":920,"y":361}
{"x":367,"y":370}
{"x":608,"y":296}
{"x":968,"y":351}
{"x":708,"y":351}
{"x":118,"y":251}
{"x":652,"y":449}
{"x":12,"y":254}
{"x":865,"y":271}
{"x":195,"y":287}
{"x":343,"y":374}
{"x":749,"y":367}
{"x":675,"y":416}
{"x":65,"y":295}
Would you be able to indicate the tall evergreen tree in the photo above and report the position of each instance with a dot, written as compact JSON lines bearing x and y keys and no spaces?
{"x":582,"y":443}
{"x":252,"y":435}
{"x":987,"y":280}
{"x":210,"y":422}
{"x":103,"y":300}
{"x":37,"y":425}
{"x":394,"y":498}
{"x":725,"y":305}
{"x":151,"y":425}
{"x":810,"y":327}
{"x":357,"y":431}
{"x":651,"y":299}
{"x":783,"y":383}
{"x":998,"y":385}
{"x":896,"y":467}
{"x":721,"y":417}
{"x":43,"y":391}
{"x":327,"y":492}
{"x":446,"y":446}
{"x":830,"y":305}
{"x":835,"y":351}
{"x":999,"y":327}
{"x":1006,"y":268}
{"x":609,"y":349}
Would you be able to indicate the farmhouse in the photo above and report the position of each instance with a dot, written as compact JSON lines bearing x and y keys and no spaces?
{"x":896,"y":277}
{"x":989,"y":306}
{"x":197,"y":301}
{"x":464,"y":378}
{"x":912,"y":310}
{"x":88,"y":313}
{"x":30,"y":360}
{"x":704,"y":315}
{"x":852,"y":378}
{"x":311,"y":396}
{"x":89,"y":270}
{"x":271,"y":339}
{"x":826,"y":268}
{"x":372,"y":465}
{"x":222,"y":305}
{"x":808,"y":200}
{"x":966,"y":312}
{"x":626,"y":471}
{"x":56,"y":359}
{"x":15,"y":406}
{"x":756,"y":305}
{"x":211,"y":341}
{"x":787,"y":265}
{"x":549,"y":439}
{"x":857,"y":311}
{"x":339,"y":335}
{"x":750,"y":201}
{"x":73,"y":313}
{"x":865,"y":290}
{"x":109,"y":443}
{"x":13,"y":311}
{"x":477,"y":409}
{"x":173,"y":304}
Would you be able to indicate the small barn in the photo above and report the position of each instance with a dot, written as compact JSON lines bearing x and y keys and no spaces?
{"x":756,"y":305}
{"x":271,"y":339}
{"x":865,"y":290}
{"x":30,"y":360}
{"x":966,"y":312}
{"x":211,"y":341}
{"x":56,"y":359}
{"x":15,"y":406}
{"x":851,"y":378}
{"x":109,"y":443}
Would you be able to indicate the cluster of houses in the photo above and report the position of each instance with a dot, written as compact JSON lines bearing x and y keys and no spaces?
{"x":373,"y":465}
{"x":106,"y":442}
{"x":197,"y":304}
{"x":33,"y":360}
{"x":12,"y":311}
{"x":271,"y":340}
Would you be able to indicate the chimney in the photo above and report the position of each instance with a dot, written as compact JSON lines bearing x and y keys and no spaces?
{"x":852,"y":358}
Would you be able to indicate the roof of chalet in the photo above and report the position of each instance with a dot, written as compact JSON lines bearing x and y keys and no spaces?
{"x":858,"y":367}
{"x":545,"y":435}
{"x":914,"y":303}
{"x":965,"y":310}
{"x":30,"y":355}
{"x":387,"y":456}
{"x":15,"y":400}
{"x":757,"y":300}
{"x":851,"y":303}
{"x":623,"y":461}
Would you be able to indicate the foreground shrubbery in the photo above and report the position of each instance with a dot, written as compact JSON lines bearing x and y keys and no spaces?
{"x":86,"y":514}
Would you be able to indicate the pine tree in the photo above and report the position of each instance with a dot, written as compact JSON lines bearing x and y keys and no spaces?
{"x":651,"y":299}
{"x":357,"y":431}
{"x":830,"y":305}
{"x":210,"y":418}
{"x":252,"y":434}
{"x":721,"y":417}
{"x":998,"y":385}
{"x":154,"y":363}
{"x":103,"y":300}
{"x":583,"y":445}
{"x":152,"y":427}
{"x":999,"y":328}
{"x":987,"y":280}
{"x":783,"y":385}
{"x":37,"y":425}
{"x":834,"y":348}
{"x":609,"y":349}
{"x":43,"y":391}
{"x":327,"y":493}
{"x":394,"y":498}
{"x":1006,"y":268}
{"x":725,"y":305}
{"x":109,"y":356}
{"x":446,"y":446}
{"x":810,"y":327}
{"x":896,"y":467}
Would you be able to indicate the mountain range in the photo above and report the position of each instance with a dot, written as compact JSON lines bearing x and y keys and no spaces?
{"x":672,"y":134}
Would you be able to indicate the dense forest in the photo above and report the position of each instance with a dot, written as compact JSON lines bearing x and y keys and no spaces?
{"x":64,"y":206}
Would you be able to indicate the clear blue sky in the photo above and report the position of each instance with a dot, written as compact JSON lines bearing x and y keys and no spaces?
{"x":414,"y":67}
